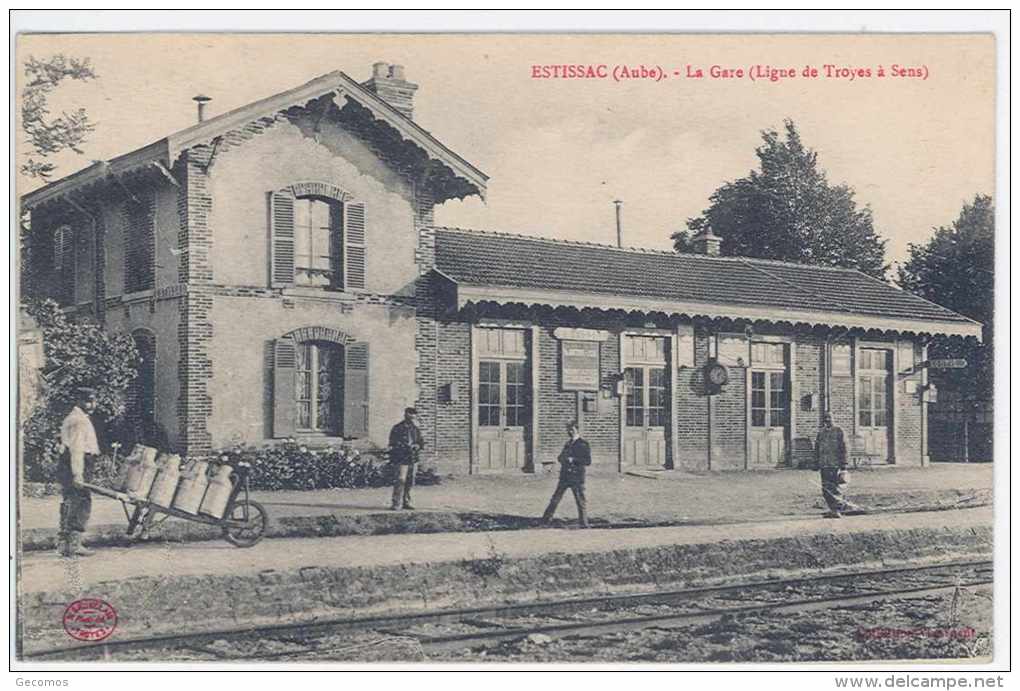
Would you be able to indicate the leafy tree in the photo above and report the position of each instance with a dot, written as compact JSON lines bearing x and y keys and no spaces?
{"x":77,"y":354}
{"x":956,"y":269}
{"x":50,"y":135}
{"x":788,"y":210}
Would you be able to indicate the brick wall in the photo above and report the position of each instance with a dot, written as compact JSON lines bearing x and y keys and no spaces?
{"x":909,"y":410}
{"x":729,"y":423}
{"x":452,"y":426}
{"x":692,"y":411}
{"x":195,"y":329}
{"x":809,"y":371}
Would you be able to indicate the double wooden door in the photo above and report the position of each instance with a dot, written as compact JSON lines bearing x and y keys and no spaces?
{"x":874,"y":401}
{"x":646,"y":403}
{"x":503,"y":411}
{"x":769,"y":405}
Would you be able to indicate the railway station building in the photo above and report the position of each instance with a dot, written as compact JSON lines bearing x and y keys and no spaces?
{"x":283,"y":277}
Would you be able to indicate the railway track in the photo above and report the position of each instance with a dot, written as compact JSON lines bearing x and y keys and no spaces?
{"x":457,"y":629}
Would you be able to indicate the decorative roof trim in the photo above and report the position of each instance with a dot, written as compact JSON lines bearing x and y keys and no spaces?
{"x":466,"y":294}
{"x":167,"y":150}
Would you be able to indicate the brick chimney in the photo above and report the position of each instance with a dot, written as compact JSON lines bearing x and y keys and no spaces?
{"x":707,"y":242}
{"x":388,"y":83}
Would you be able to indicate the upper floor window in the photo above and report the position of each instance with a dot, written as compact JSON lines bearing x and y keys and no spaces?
{"x":65,"y":264}
{"x":318,"y":242}
{"x":317,"y":238}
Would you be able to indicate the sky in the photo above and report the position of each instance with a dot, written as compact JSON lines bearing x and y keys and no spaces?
{"x":559,"y":151}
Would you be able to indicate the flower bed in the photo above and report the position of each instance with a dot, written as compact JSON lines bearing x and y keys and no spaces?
{"x":292,"y":465}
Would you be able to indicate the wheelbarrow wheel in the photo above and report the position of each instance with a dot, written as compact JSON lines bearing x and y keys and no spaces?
{"x":254,"y":527}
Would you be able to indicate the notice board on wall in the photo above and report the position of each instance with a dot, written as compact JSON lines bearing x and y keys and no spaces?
{"x":579,"y":369}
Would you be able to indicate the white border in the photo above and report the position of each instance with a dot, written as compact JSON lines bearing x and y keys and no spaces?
{"x":814,"y":21}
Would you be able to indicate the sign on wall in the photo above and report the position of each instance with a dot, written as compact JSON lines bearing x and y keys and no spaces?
{"x":733,"y":350}
{"x":685,"y":345}
{"x":580,"y":365}
{"x":840,"y":355}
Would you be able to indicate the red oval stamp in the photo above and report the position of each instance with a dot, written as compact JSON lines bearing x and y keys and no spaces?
{"x":90,"y":619}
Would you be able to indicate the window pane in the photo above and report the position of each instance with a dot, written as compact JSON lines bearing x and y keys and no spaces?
{"x":777,"y":354}
{"x":865,"y":418}
{"x":758,"y":417}
{"x":880,"y":418}
{"x":304,"y":415}
{"x":320,"y":249}
{"x":320,"y":211}
{"x":779,"y":417}
{"x":777,"y":381}
{"x":656,"y":397}
{"x":865,"y":362}
{"x":635,"y":396}
{"x":757,"y":398}
{"x":302,"y":212}
{"x":488,"y":394}
{"x":864,"y":395}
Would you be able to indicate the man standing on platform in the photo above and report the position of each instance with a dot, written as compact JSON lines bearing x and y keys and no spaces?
{"x":78,"y":447}
{"x":830,"y":448}
{"x":406,"y":443}
{"x":574,"y":461}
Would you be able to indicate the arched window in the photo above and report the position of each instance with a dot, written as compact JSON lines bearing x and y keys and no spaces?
{"x":320,"y":384}
{"x":318,"y":242}
{"x":317,"y":237}
{"x":319,"y":387}
{"x":140,"y":413}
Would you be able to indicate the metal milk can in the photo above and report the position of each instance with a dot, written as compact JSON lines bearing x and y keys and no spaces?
{"x":216,"y":497}
{"x":194,"y":482}
{"x":132,"y":469}
{"x":162,"y":492}
{"x":140,"y":484}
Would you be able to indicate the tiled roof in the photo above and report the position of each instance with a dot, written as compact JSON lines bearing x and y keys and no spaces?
{"x":517,"y":261}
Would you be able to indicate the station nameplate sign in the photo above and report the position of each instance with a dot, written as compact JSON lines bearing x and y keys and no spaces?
{"x":946,"y":363}
{"x":579,"y":365}
{"x":733,"y":350}
{"x":566,"y":333}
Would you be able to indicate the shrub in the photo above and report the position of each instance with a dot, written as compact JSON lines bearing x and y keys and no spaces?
{"x":77,"y":354}
{"x":292,"y":465}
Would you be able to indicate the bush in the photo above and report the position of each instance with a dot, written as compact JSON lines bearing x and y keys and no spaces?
{"x":77,"y":354}
{"x":292,"y":465}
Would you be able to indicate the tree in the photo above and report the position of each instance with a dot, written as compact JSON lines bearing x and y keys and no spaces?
{"x":788,"y":210}
{"x":78,"y":354}
{"x":46,"y":135}
{"x":956,"y":269}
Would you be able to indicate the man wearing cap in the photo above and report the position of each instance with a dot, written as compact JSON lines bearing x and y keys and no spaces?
{"x":406,"y":443}
{"x":574,"y":460}
{"x":77,"y":443}
{"x":830,"y":447}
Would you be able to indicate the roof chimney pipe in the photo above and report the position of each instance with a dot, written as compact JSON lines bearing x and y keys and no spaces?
{"x":201,"y":101}
{"x":706,"y":242}
{"x":619,"y":222}
{"x":389,"y":82}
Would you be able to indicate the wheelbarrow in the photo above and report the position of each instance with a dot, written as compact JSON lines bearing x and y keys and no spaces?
{"x":244,"y":521}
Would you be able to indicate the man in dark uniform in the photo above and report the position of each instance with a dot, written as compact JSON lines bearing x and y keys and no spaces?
{"x":574,"y":461}
{"x":406,"y":443}
{"x":78,"y":446}
{"x":830,"y":448}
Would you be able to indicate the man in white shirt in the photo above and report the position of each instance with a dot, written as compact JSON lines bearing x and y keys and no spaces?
{"x":77,"y":443}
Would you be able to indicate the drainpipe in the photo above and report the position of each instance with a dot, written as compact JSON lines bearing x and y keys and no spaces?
{"x":619,"y":222}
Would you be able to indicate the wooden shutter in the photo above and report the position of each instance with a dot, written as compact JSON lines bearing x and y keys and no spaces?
{"x":281,"y":243}
{"x":65,"y":251}
{"x":354,"y":246}
{"x":355,"y":390}
{"x":284,"y":371}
